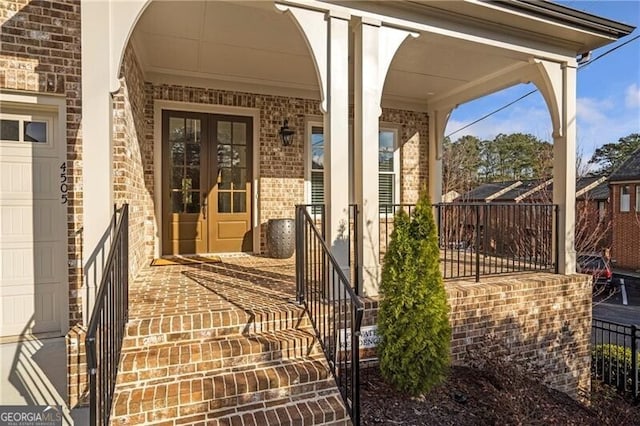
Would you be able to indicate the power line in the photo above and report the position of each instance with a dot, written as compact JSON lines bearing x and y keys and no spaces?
{"x":484,"y":117}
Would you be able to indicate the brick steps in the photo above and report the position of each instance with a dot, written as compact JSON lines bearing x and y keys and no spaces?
{"x":216,"y":395}
{"x":166,"y":362}
{"x":143,"y":333}
{"x":325,"y":410}
{"x":222,"y":346}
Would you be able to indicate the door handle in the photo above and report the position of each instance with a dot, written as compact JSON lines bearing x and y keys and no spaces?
{"x":204,"y":207}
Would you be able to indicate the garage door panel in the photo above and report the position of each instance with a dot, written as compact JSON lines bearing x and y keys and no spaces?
{"x":36,"y":311}
{"x":15,"y":179}
{"x":28,"y":178}
{"x":33,"y":243}
{"x":26,"y":265}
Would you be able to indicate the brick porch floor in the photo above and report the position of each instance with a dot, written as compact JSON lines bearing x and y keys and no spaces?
{"x":222,"y":344}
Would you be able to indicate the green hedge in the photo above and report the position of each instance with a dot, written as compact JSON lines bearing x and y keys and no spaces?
{"x":612,"y":365}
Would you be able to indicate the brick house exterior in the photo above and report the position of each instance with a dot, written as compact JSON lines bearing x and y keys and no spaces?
{"x":92,"y":61}
{"x":624,"y":186}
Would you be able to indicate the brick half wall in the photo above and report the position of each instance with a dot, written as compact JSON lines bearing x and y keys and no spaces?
{"x":542,"y":321}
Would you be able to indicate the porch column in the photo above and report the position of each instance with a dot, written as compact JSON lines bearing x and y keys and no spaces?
{"x":437,"y":124}
{"x":97,"y":156}
{"x":374,"y":49}
{"x":336,"y":140}
{"x":327,"y":37}
{"x":564,"y":170}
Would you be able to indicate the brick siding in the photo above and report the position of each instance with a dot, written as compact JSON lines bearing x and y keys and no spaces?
{"x":40,"y":52}
{"x":133,"y":161}
{"x":625,"y":248}
{"x":542,"y":320}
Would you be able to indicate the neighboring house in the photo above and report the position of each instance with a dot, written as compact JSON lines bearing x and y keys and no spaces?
{"x":593,"y":221}
{"x":624,"y":184}
{"x":178,"y":109}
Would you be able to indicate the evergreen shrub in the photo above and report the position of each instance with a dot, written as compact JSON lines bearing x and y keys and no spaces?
{"x":413,"y":320}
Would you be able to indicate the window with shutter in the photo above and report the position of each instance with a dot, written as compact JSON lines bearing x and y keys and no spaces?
{"x":388,"y":166}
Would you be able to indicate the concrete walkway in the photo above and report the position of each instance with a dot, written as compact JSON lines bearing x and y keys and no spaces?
{"x":33,"y":371}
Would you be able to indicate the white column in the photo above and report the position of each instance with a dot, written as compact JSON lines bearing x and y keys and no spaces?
{"x":97,"y":193}
{"x":374,"y":49}
{"x":564,"y":172}
{"x":336,"y":140}
{"x":437,"y":124}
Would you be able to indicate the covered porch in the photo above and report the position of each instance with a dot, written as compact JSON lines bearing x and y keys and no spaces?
{"x":373,"y":84}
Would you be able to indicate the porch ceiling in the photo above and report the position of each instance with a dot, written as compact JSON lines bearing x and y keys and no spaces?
{"x":249,"y":46}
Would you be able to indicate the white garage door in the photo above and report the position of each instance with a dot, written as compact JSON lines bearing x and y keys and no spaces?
{"x":33,"y":250}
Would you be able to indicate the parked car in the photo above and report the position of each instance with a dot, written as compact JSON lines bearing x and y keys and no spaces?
{"x":596,"y":266}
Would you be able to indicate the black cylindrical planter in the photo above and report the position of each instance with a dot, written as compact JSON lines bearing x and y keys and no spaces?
{"x":281,"y":240}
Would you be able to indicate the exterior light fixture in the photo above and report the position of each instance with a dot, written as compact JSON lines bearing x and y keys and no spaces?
{"x":286,"y":134}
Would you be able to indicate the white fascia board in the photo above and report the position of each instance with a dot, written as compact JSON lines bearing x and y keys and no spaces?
{"x":507,"y":41}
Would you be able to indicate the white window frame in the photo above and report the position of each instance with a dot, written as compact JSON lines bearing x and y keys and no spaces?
{"x":37,"y":118}
{"x":384,"y":127}
{"x":637,"y":198}
{"x":625,"y":199}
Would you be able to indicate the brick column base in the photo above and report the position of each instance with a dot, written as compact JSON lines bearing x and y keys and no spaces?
{"x":77,"y":378}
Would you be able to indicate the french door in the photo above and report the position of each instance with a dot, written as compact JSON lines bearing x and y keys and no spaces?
{"x":206,"y":183}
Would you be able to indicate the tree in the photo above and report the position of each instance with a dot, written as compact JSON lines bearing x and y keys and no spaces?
{"x":610,"y":156}
{"x":515,"y":156}
{"x":413,"y":320}
{"x":461,"y":161}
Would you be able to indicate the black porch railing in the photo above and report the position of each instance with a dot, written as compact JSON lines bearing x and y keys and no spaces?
{"x":334,"y":308}
{"x":107,"y":325}
{"x":481,"y":239}
{"x":614,"y":355}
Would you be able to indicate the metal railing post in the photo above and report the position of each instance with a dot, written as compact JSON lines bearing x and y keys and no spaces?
{"x":634,"y":361}
{"x":477,"y":244}
{"x":299,"y":255}
{"x":555,"y":249}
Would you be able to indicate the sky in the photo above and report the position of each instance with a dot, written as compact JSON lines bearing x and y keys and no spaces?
{"x":608,"y":93}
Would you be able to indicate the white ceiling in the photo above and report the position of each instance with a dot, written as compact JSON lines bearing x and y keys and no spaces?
{"x":252,"y":44}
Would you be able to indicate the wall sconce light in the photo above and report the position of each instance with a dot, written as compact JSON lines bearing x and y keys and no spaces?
{"x":286,"y":134}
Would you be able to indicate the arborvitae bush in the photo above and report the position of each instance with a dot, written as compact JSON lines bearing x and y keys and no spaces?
{"x":413,"y":320}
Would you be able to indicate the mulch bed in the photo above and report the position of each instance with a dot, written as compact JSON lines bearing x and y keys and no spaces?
{"x":498,"y":396}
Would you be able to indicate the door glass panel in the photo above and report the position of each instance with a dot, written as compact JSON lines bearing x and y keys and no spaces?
{"x":193,"y":131}
{"x":239,"y":156}
{"x":192,"y":202}
{"x":239,"y":202}
{"x":239,"y":178}
{"x":9,"y":130}
{"x":193,"y":174}
{"x":177,"y":153}
{"x":224,"y":181}
{"x":35,"y":131}
{"x":224,"y":155}
{"x":224,"y":202}
{"x":177,"y":176}
{"x":239,"y":133}
{"x":224,"y":132}
{"x":193,"y":154}
{"x":176,"y":129}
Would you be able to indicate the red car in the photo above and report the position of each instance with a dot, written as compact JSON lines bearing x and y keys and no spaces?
{"x":595,"y":266}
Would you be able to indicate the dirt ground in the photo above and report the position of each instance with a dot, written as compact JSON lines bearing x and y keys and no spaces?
{"x":492,"y":396}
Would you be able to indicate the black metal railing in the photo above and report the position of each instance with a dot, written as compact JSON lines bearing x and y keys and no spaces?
{"x":481,"y":239}
{"x":333,"y":307}
{"x":107,"y":325}
{"x":614,"y":355}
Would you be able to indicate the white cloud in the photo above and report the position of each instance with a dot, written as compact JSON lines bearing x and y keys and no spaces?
{"x":632,"y":98}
